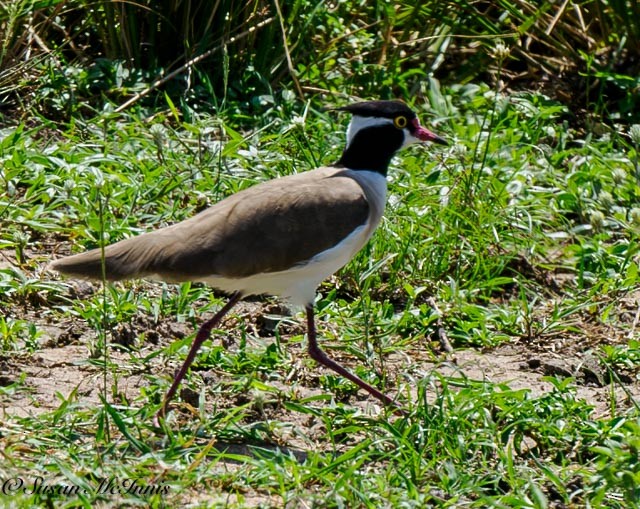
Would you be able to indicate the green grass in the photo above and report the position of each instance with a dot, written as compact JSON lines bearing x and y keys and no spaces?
{"x":524,"y":231}
{"x":72,"y":55}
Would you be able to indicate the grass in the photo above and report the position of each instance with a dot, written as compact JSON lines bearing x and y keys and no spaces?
{"x":72,"y":55}
{"x":524,"y":231}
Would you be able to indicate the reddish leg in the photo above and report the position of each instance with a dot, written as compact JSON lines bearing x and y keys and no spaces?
{"x":201,"y":337}
{"x":317,"y":354}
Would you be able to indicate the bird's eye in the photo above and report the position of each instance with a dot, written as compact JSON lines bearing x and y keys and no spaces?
{"x":400,"y":122}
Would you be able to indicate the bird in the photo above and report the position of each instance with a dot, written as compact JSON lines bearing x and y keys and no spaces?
{"x":281,"y":237}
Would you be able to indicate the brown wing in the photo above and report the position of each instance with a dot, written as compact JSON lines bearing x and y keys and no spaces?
{"x":266,"y":228}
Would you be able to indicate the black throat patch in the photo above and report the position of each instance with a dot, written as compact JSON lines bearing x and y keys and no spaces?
{"x":372,"y":148}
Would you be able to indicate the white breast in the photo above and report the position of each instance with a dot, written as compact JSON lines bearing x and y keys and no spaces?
{"x":299,"y":283}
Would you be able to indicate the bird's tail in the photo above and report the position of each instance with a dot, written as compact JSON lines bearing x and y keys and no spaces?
{"x":127,"y":259}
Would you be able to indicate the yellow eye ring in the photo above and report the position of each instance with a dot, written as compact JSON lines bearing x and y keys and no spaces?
{"x":400,"y":122}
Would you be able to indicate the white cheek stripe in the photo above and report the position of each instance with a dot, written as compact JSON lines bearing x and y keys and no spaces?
{"x":357,"y":123}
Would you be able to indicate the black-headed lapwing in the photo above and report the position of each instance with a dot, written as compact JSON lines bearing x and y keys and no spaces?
{"x":282,"y":237}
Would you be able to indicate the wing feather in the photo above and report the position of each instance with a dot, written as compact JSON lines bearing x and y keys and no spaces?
{"x":267,"y":228}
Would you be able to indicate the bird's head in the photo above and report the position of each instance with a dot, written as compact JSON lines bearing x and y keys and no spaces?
{"x":396,"y":114}
{"x":378,"y":129}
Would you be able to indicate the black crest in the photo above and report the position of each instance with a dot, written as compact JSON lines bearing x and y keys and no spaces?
{"x":386,"y":109}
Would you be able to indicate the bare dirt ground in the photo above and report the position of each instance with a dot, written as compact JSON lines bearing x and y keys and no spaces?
{"x":62,"y":366}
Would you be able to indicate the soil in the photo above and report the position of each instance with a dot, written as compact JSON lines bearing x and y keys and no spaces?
{"x":62,"y":364}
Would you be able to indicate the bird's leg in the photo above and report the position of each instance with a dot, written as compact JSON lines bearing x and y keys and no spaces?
{"x":201,"y":337}
{"x":317,"y":354}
